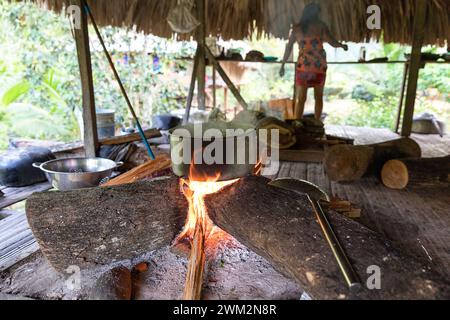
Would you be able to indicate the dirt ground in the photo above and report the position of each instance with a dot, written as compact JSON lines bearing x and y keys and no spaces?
{"x":232,"y":272}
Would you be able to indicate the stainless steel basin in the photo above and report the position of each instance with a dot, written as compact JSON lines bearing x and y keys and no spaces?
{"x":77,"y":173}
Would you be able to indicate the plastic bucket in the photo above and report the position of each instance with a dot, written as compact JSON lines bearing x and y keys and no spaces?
{"x":106,"y":125}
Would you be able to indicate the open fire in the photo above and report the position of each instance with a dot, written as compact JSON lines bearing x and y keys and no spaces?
{"x":198,"y":227}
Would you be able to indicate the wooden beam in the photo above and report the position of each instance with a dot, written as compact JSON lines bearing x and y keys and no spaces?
{"x":201,"y":70}
{"x":415,"y":65}
{"x":87,"y":84}
{"x":226,"y":79}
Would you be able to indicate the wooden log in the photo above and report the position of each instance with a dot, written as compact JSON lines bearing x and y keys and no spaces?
{"x":403,"y":173}
{"x":350,"y":163}
{"x":280,"y":226}
{"x":97,"y":226}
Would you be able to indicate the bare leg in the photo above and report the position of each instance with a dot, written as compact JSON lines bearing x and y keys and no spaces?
{"x":301,"y":94}
{"x":318,"y":97}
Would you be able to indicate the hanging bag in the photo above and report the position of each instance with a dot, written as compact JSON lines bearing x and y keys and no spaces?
{"x":181,"y":19}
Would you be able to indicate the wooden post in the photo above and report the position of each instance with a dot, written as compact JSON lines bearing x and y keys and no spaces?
{"x":402,"y":96}
{"x":201,"y":71}
{"x":415,"y":65}
{"x":87,"y":84}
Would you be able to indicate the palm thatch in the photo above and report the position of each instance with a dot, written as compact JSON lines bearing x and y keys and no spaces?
{"x":238,"y":19}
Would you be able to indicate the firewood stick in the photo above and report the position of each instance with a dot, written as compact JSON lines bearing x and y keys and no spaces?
{"x":161,"y":162}
{"x":196,"y":265}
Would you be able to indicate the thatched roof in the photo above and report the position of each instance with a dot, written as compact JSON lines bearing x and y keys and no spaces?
{"x":237,"y":19}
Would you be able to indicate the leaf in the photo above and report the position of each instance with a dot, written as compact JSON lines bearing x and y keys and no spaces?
{"x":15,"y":92}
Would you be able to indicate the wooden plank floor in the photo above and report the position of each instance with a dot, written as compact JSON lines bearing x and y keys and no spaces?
{"x":417,"y":221}
{"x":16,"y":240}
{"x":14,"y":195}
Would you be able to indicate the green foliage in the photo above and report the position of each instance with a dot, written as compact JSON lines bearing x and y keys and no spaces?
{"x":39,"y":75}
{"x":37,"y":123}
{"x":378,"y":113}
{"x":15,"y":92}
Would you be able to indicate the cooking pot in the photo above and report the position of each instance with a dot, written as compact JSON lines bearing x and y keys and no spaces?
{"x":234,"y":155}
{"x":77,"y":173}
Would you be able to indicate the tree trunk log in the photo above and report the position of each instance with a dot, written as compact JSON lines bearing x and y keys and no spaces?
{"x":97,"y":226}
{"x":349,"y":163}
{"x":402,"y":173}
{"x":281,"y":226}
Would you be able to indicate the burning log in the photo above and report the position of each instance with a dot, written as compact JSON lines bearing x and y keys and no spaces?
{"x":281,"y":226}
{"x":403,"y":173}
{"x":97,"y":226}
{"x":349,"y":163}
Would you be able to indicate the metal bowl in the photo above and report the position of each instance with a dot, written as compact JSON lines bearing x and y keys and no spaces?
{"x":77,"y":173}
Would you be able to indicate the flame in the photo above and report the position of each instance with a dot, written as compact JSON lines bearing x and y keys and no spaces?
{"x":195,"y":189}
{"x":198,"y":227}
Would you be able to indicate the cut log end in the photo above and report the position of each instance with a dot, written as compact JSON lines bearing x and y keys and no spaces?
{"x":395,"y":175}
{"x":350,"y":163}
{"x":416,"y":172}
{"x":347,"y":163}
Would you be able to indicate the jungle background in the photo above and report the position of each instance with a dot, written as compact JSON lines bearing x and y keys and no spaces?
{"x":40,"y":94}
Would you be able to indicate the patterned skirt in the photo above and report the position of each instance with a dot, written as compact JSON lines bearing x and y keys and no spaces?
{"x":310,"y":79}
